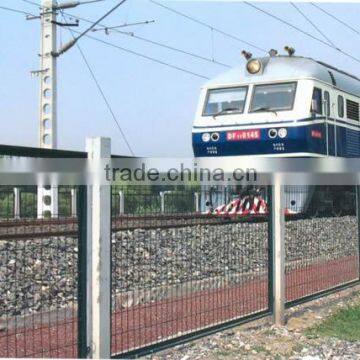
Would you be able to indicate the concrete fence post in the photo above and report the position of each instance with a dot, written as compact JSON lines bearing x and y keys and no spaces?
{"x":73,"y":202}
{"x":99,"y":256}
{"x":162,"y":202}
{"x":278,"y":241}
{"x":197,"y":201}
{"x":16,"y":203}
{"x":121,"y":203}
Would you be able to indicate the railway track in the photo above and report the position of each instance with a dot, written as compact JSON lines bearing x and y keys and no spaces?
{"x":40,"y":228}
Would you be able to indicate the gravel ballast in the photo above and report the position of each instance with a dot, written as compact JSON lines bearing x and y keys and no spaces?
{"x":41,"y":274}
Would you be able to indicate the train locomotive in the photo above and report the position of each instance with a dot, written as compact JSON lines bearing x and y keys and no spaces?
{"x":283,"y":106}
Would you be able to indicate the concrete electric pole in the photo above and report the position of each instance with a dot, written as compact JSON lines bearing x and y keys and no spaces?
{"x":48,"y":195}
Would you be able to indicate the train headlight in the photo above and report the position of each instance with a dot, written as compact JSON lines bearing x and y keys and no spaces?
{"x":215,"y":136}
{"x":282,"y":133}
{"x":253,"y":66}
{"x":272,"y":133}
{"x":205,"y":137}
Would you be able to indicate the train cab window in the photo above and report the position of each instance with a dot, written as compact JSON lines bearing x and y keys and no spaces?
{"x":327,"y":103}
{"x":316,"y":104}
{"x":341,"y":109}
{"x":225,"y":101}
{"x":273,"y":97}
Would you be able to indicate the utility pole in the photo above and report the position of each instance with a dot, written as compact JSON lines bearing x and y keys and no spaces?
{"x":48,"y":195}
{"x":48,"y":76}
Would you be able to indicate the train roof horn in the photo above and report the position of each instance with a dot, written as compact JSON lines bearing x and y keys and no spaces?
{"x":273,"y":52}
{"x":247,"y":55}
{"x":290,"y":50}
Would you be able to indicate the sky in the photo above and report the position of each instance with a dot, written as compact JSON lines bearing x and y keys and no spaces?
{"x":154,"y":104}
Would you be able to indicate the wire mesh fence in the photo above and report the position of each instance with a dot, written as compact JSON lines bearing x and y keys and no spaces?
{"x":6,"y":202}
{"x":38,"y":286}
{"x":28,"y":202}
{"x":321,"y":239}
{"x":182,"y":263}
{"x":176,"y":272}
{"x":64,"y":201}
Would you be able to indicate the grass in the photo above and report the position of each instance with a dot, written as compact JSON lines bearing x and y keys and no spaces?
{"x":344,"y":325}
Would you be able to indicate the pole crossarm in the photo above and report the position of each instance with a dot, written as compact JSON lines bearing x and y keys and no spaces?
{"x":73,"y":41}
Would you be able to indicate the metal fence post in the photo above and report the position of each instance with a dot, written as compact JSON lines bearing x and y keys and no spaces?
{"x":82,"y":273}
{"x":121,"y":203}
{"x":357,"y":189}
{"x":278,"y":253}
{"x":16,"y":203}
{"x":99,"y":255}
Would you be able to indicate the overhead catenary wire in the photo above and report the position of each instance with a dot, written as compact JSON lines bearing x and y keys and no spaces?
{"x":144,"y":56}
{"x":297,"y":8}
{"x":16,"y":11}
{"x":336,"y":18}
{"x":139,"y":54}
{"x":101,"y":19}
{"x":154,"y":43}
{"x":211,"y":27}
{"x":102,"y":94}
{"x":31,"y":3}
{"x":157,"y":43}
{"x":85,"y":2}
{"x":301,"y":31}
{"x":71,"y":43}
{"x":106,"y":101}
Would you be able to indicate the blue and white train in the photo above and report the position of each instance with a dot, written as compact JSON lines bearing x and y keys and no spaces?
{"x":279,"y":106}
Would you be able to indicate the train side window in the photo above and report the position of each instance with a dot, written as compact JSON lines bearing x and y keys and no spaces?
{"x":327,"y":103}
{"x":341,"y":111}
{"x":316,"y":104}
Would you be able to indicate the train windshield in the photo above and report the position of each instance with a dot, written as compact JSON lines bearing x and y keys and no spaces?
{"x":224,"y":101}
{"x":273,"y":97}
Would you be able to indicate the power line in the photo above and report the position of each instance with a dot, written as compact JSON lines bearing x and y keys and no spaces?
{"x":146,"y":57}
{"x":211,"y":27}
{"x":31,"y":3}
{"x":105,"y":99}
{"x":16,"y":11}
{"x":313,"y":24}
{"x":107,"y":103}
{"x":301,"y":31}
{"x":71,"y":4}
{"x":137,"y":53}
{"x":157,"y":43}
{"x":71,"y":43}
{"x":152,"y":42}
{"x":335,"y":18}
